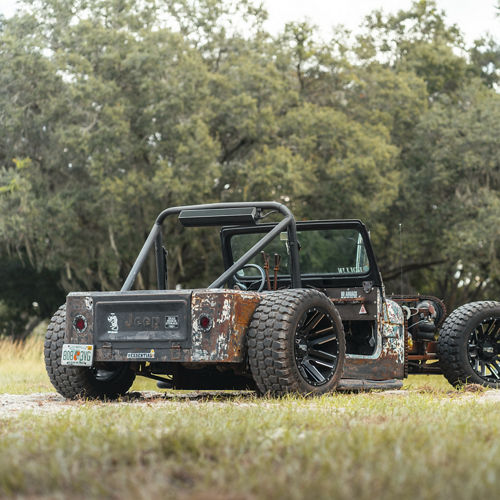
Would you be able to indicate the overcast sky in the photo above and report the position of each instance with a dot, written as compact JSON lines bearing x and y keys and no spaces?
{"x":474,"y":17}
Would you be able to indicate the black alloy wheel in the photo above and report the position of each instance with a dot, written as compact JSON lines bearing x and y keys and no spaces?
{"x":484,"y":350}
{"x":316,"y":346}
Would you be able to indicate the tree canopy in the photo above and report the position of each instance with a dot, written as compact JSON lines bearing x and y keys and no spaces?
{"x":111,"y":110}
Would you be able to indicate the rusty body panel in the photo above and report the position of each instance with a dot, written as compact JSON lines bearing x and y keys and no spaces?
{"x":80,"y":305}
{"x":366,"y":308}
{"x":388,"y":359}
{"x":232,"y":312}
{"x":228,"y":312}
{"x":380,"y":368}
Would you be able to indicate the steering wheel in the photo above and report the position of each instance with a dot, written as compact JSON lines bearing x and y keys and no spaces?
{"x":242,"y":286}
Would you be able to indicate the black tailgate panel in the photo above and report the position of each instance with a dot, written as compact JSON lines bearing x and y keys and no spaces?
{"x":139,"y":319}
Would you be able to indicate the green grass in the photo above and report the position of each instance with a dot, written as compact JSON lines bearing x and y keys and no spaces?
{"x":366,"y":446}
{"x":428,"y":442}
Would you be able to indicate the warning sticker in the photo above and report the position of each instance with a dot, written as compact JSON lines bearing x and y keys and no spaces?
{"x":362,"y":309}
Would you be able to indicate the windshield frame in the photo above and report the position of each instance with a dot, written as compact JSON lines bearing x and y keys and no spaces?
{"x":328,"y":280}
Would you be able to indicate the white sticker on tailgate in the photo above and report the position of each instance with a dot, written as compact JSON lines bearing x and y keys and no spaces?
{"x":77,"y":354}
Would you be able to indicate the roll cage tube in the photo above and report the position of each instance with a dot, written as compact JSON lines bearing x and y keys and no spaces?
{"x":155,"y":238}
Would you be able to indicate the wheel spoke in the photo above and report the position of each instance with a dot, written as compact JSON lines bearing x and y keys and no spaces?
{"x":476,"y":336}
{"x":328,"y":329}
{"x":496,"y":333}
{"x":312,"y":318}
{"x":315,"y":353}
{"x":493,"y":369}
{"x":490,"y":328}
{"x":480,"y":326}
{"x":323,"y":340}
{"x":313,"y":322}
{"x":313,"y":371}
{"x":321,"y":362}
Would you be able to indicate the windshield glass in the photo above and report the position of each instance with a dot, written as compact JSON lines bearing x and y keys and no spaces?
{"x":322,"y":251}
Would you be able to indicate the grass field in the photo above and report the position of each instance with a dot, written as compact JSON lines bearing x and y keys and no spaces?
{"x":428,"y":441}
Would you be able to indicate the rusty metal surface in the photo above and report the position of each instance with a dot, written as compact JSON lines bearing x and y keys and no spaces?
{"x":349,"y":302}
{"x":367,"y":385}
{"x":388,"y":360}
{"x":359,"y":300}
{"x":231,"y":311}
{"x":83,"y":306}
{"x":432,"y":347}
{"x":382,"y":368}
{"x":422,"y":357}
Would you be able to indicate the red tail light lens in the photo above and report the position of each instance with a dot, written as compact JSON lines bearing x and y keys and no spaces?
{"x":80,"y":323}
{"x":205,"y":322}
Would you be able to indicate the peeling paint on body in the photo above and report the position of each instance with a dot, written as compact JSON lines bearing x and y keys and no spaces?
{"x":387,"y":362}
{"x":223,"y":341}
{"x":393,"y":331}
{"x":231,"y":311}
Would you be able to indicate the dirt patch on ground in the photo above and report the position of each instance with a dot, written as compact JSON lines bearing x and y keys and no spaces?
{"x":49,"y":402}
{"x":12,"y":405}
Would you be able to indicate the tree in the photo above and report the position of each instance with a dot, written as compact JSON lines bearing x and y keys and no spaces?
{"x":112,"y":110}
{"x":456,"y":148}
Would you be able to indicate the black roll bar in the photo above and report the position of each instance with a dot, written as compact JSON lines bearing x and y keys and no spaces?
{"x":155,"y":238}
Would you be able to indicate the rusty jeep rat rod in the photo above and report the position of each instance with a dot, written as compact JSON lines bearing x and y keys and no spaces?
{"x":300,"y":307}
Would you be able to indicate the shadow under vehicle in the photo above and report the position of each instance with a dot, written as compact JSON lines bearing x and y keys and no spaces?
{"x":300,"y":307}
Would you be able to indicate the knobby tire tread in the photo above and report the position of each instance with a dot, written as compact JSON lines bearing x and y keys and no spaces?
{"x":74,"y":382}
{"x":267,"y":336}
{"x":451,"y":341}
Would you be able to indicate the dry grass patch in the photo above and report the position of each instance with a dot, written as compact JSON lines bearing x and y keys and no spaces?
{"x":22,"y":369}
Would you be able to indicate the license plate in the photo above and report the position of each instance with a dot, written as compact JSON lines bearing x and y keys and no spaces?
{"x":77,"y":354}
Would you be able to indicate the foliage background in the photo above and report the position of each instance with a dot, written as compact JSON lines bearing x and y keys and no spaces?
{"x":111,"y":110}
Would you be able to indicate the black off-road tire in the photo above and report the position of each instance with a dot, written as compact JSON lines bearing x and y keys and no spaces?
{"x":73,"y":382}
{"x":469,"y":340}
{"x":280,"y":349}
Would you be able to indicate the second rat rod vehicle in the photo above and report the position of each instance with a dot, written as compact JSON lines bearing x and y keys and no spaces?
{"x":300,"y":307}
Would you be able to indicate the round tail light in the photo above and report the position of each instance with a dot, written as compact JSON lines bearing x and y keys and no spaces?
{"x":205,"y":322}
{"x":80,"y":323}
